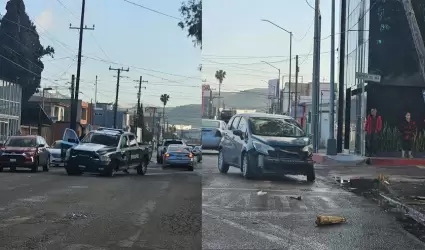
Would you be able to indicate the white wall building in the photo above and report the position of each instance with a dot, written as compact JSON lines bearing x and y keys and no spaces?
{"x":10,"y":109}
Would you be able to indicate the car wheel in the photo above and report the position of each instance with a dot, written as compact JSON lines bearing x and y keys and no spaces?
{"x":223,"y":167}
{"x":34,"y":168}
{"x":246,"y":167}
{"x":1,"y":169}
{"x":12,"y":169}
{"x":142,"y":168}
{"x":190,"y":168}
{"x":110,"y":172}
{"x":311,"y":175}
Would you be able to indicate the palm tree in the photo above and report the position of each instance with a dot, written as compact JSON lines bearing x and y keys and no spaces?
{"x":220,"y":75}
{"x":164,"y":99}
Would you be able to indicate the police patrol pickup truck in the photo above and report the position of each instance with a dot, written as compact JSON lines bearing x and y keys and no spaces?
{"x":106,"y":151}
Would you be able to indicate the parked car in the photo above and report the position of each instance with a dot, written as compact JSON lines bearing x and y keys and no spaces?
{"x":212,"y":133}
{"x":163,"y":147}
{"x":24,"y":152}
{"x":106,"y":151}
{"x":264,"y":143}
{"x":179,"y":155}
{"x":58,"y":148}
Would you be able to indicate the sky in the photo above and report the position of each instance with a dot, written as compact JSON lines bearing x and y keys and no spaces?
{"x":236,"y":40}
{"x":125,"y":35}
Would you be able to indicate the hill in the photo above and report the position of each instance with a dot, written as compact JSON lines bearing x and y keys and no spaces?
{"x":247,"y":99}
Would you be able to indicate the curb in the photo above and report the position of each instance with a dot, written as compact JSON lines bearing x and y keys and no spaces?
{"x":411,"y":212}
{"x":344,"y":160}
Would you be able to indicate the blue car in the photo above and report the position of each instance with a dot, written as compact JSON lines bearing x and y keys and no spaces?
{"x":266,"y":144}
{"x":212,"y":133}
{"x":179,"y":155}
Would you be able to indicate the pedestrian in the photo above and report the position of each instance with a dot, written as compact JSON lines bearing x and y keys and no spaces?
{"x":373,"y":127}
{"x":408,"y":132}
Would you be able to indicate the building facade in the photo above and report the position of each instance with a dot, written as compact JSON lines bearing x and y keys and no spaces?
{"x":382,"y":39}
{"x":10,"y":109}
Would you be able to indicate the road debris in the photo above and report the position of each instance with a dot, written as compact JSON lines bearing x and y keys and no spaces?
{"x":329,"y":220}
{"x":261,"y":193}
{"x":296,"y":197}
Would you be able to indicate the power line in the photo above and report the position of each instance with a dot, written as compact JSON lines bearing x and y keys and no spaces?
{"x":152,"y":10}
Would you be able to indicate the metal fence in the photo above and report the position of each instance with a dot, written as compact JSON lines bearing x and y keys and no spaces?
{"x":10,"y":109}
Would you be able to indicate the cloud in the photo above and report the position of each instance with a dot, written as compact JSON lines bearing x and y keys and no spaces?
{"x":45,"y":20}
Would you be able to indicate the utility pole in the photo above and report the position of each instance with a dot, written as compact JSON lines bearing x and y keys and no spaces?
{"x":341,"y":76}
{"x":297,"y":69}
{"x":80,"y":48}
{"x":331,"y":148}
{"x":117,"y":91}
{"x":73,"y":124}
{"x":316,"y":79}
{"x":139,"y":93}
{"x":95,"y":92}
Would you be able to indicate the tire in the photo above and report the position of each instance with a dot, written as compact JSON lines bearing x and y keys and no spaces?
{"x":73,"y":172}
{"x":110,"y":172}
{"x":190,"y":168}
{"x":143,"y":167}
{"x":199,"y":159}
{"x":12,"y":169}
{"x":311,"y":175}
{"x":246,"y":167}
{"x":1,"y":169}
{"x":158,"y":160}
{"x":222,"y":166}
{"x":34,"y":168}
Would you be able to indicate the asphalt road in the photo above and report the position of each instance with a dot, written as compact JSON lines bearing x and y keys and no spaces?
{"x":234,"y":216}
{"x":161,"y":210}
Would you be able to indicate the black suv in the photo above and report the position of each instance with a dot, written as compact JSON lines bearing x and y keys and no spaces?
{"x":264,"y":143}
{"x":106,"y":151}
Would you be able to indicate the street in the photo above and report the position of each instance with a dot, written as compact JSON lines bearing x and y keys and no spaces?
{"x":234,"y":216}
{"x":161,"y":210}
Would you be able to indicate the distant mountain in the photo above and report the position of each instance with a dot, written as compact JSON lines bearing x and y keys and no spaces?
{"x":247,"y":99}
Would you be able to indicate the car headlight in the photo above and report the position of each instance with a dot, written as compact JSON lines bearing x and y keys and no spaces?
{"x":67,"y":154}
{"x":262,"y":148}
{"x":104,"y":158}
{"x":308,"y":149}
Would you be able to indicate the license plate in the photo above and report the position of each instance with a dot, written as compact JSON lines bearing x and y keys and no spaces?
{"x":12,"y":160}
{"x":81,"y":166}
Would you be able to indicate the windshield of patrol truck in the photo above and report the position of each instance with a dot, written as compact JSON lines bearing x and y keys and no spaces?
{"x":270,"y":126}
{"x":210,"y":124}
{"x":103,"y":139}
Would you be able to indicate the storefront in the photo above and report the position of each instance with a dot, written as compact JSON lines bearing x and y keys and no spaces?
{"x":10,"y":109}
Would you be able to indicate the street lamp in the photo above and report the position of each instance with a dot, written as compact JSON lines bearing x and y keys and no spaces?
{"x":290,"y":57}
{"x":278,"y":81}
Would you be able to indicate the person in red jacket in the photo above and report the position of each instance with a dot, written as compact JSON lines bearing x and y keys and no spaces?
{"x":408,"y":132}
{"x":373,"y":127}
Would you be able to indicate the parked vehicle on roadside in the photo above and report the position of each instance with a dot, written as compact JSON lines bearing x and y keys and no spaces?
{"x":266,"y":144}
{"x":212,"y":133}
{"x":197,"y":152}
{"x":106,"y":151}
{"x":29,"y":152}
{"x":56,"y":160}
{"x":179,"y":155}
{"x":163,"y":147}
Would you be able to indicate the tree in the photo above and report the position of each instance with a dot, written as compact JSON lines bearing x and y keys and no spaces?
{"x":164,"y":99}
{"x":192,"y":20}
{"x":220,"y":75}
{"x":20,"y":49}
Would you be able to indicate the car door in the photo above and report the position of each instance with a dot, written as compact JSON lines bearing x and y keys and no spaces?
{"x":240,"y":141}
{"x":225,"y":141}
{"x":125,"y":156}
{"x":43,"y":154}
{"x":232,"y":145}
{"x":134,"y":150}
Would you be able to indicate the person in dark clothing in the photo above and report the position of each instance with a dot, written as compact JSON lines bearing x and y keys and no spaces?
{"x":408,"y":132}
{"x":373,"y":127}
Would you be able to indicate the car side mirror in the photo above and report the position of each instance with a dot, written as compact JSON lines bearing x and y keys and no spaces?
{"x":238,"y":132}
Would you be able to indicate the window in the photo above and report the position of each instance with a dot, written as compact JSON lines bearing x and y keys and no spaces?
{"x":102,"y":138}
{"x":83,"y":114}
{"x":166,"y":143}
{"x":235,"y":123}
{"x":275,"y":126}
{"x":133,"y":141}
{"x":210,"y":123}
{"x":242,"y":125}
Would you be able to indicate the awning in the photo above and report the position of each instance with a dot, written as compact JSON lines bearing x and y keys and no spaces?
{"x":31,"y":114}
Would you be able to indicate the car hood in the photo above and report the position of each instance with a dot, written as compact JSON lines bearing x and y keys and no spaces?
{"x":19,"y":149}
{"x":93,"y":147}
{"x":275,"y":141}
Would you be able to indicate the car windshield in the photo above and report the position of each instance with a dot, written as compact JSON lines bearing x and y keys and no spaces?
{"x":102,"y":138}
{"x":274,"y":126}
{"x":25,"y":142}
{"x":210,"y":124}
{"x":167,"y":143}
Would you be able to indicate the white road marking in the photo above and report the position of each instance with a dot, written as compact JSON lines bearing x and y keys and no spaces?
{"x":278,"y":190}
{"x":34,"y":199}
{"x":14,"y":221}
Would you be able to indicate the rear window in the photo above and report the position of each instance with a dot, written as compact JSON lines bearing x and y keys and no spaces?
{"x":166,"y":143}
{"x":25,"y":142}
{"x":210,"y":124}
{"x":178,"y":149}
